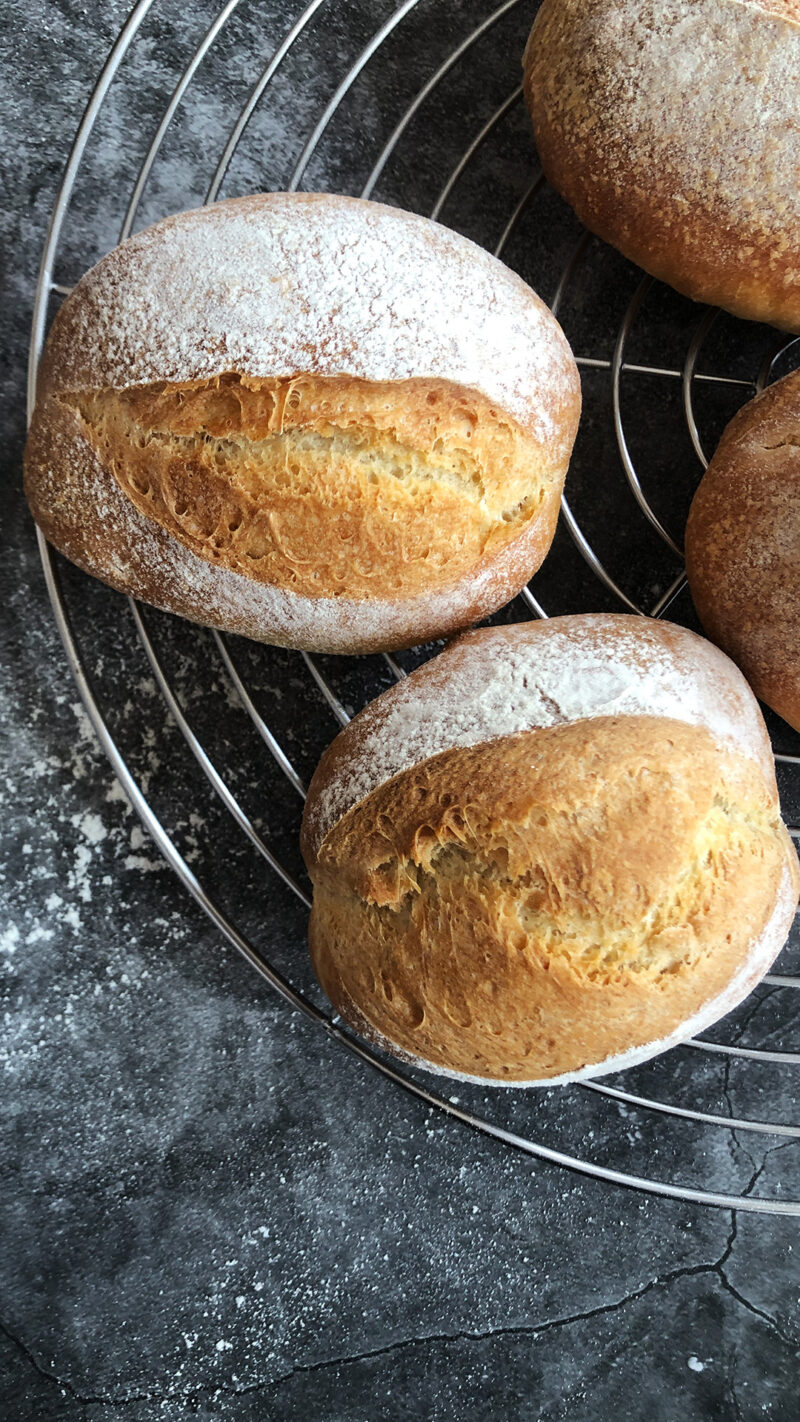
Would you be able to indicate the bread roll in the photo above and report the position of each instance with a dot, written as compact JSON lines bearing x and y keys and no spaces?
{"x":311,"y":420}
{"x":552,"y":852}
{"x":671,"y":126}
{"x":743,"y":545}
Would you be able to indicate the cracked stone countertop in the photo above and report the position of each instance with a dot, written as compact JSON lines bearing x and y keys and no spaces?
{"x":207,"y":1208}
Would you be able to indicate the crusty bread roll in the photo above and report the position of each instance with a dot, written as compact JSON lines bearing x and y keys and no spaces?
{"x":671,"y":126}
{"x":315,"y":421}
{"x":552,"y":852}
{"x":743,"y":545}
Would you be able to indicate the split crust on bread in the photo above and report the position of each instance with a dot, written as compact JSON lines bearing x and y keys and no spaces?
{"x":312,"y":420}
{"x":560,"y":889}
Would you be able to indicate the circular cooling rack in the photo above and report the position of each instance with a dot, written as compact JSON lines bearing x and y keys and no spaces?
{"x":421,"y":106}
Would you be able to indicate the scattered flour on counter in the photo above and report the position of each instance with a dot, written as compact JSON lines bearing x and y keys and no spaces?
{"x":143,"y":864}
{"x":9,"y":939}
{"x":38,"y":934}
{"x":116,"y":795}
{"x":91,"y":826}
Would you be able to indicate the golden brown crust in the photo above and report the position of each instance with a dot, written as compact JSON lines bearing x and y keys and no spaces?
{"x":208,"y":436}
{"x":323,"y":485}
{"x":82,"y":509}
{"x":670,"y":126}
{"x":787,"y":9}
{"x":743,"y":545}
{"x":520,"y":909}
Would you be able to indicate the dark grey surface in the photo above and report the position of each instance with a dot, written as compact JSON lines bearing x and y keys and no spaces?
{"x":207,"y":1209}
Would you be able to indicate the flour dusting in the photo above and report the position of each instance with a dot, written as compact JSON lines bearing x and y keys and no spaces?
{"x":280,"y":283}
{"x":502,"y":680}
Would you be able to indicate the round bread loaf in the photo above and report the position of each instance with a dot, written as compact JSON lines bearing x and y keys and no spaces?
{"x":743,"y":545}
{"x":552,"y":852}
{"x":315,"y":421}
{"x":671,"y":127}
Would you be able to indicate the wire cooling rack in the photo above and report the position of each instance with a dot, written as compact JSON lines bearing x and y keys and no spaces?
{"x":421,"y":105}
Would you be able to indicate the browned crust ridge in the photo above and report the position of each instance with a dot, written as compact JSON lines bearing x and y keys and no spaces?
{"x":323,"y":486}
{"x":743,"y":545}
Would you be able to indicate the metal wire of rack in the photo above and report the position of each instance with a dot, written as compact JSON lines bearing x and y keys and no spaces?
{"x":683,"y":1073}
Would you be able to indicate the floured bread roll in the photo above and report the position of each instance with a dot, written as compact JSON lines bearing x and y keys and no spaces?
{"x":552,"y":852}
{"x":743,"y":545}
{"x":671,"y":127}
{"x":315,"y":421}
